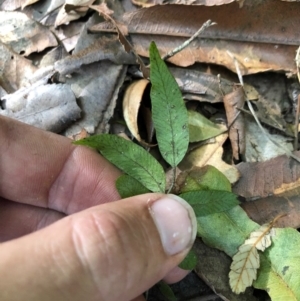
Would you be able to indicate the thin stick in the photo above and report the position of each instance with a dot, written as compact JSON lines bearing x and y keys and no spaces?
{"x":207,"y":24}
{"x":288,"y":152}
{"x":297,"y":124}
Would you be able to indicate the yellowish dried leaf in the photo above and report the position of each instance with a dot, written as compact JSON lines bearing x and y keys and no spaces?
{"x":245,"y":262}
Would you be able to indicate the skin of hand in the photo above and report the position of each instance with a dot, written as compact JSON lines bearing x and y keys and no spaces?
{"x":64,"y":233}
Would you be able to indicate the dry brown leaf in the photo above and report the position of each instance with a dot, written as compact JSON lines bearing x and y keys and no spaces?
{"x":15,"y":70}
{"x":245,"y":262}
{"x":260,"y":37}
{"x":265,"y":209}
{"x":24,"y":35}
{"x":49,"y":107}
{"x":148,"y":3}
{"x":213,"y":268}
{"x":235,"y":119}
{"x":72,"y":10}
{"x":263,"y":179}
{"x":122,"y":32}
{"x":10,"y":5}
{"x":28,"y":2}
{"x":211,"y":154}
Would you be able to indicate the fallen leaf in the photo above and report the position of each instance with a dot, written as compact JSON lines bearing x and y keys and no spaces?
{"x":213,"y":268}
{"x":211,"y":154}
{"x":259,"y":147}
{"x":263,"y":179}
{"x":235,"y":121}
{"x":206,"y":177}
{"x":271,"y":98}
{"x":72,"y":10}
{"x":49,"y":107}
{"x":148,"y":3}
{"x":201,"y":86}
{"x":131,"y":106}
{"x":259,"y":36}
{"x":243,"y":268}
{"x":201,"y":128}
{"x":95,"y":87}
{"x":279,"y":273}
{"x":28,"y":2}
{"x":122,"y":32}
{"x":15,"y":70}
{"x":24,"y":35}
{"x":265,"y":209}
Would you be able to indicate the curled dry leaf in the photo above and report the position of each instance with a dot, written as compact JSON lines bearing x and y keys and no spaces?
{"x":131,"y":106}
{"x":72,"y":10}
{"x":23,"y":34}
{"x":233,"y":102}
{"x":211,"y":154}
{"x":28,"y":2}
{"x":246,"y":261}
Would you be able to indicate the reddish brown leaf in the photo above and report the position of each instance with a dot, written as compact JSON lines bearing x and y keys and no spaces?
{"x":262,"y":179}
{"x":271,"y":37}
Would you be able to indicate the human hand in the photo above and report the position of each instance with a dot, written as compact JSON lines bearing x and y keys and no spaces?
{"x":66,"y":237}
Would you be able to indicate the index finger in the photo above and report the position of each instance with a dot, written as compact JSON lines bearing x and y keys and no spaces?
{"x":44,"y":169}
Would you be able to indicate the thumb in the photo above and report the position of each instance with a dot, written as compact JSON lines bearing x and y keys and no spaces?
{"x":113,"y":252}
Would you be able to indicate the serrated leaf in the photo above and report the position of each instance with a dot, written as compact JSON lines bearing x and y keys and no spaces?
{"x":201,"y":128}
{"x":246,"y":261}
{"x":169,"y":113}
{"x":130,"y":158}
{"x":166,"y":290}
{"x":206,"y":202}
{"x":127,"y":187}
{"x":279,"y":273}
{"x":243,"y":268}
{"x":189,"y":262}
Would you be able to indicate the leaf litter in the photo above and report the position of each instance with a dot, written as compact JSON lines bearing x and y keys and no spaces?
{"x":260,"y":47}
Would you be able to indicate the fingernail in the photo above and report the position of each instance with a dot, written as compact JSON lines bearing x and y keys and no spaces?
{"x":176,"y":223}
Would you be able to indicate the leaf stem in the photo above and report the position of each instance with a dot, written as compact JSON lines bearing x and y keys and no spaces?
{"x":173,"y":180}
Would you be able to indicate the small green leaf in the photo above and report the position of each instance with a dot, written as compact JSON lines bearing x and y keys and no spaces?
{"x":206,"y":202}
{"x":169,"y":113}
{"x":166,"y":290}
{"x":189,"y":262}
{"x":130,"y":158}
{"x":205,"y":178}
{"x":128,"y":186}
{"x":201,"y":128}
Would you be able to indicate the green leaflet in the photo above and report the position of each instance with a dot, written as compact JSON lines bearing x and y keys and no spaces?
{"x":128,"y":186}
{"x":166,"y":290}
{"x":201,"y":128}
{"x":227,"y":230}
{"x":190,"y":261}
{"x":206,"y":202}
{"x":279,"y":271}
{"x":130,"y":158}
{"x":169,"y":113}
